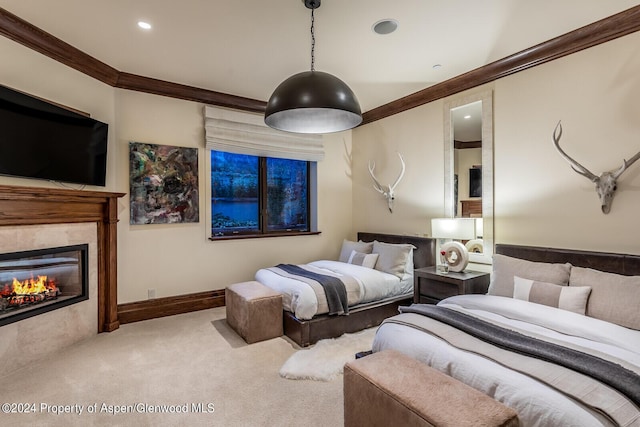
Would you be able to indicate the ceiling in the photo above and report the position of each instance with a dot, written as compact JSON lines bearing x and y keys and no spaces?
{"x":246,"y":48}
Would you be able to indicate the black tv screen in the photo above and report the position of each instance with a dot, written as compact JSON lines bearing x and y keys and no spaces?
{"x":41,"y":140}
{"x":475,"y":182}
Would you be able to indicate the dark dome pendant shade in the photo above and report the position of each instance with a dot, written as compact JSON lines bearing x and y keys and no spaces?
{"x":313,"y":101}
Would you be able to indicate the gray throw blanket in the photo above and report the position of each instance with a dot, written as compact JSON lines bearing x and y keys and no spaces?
{"x":625,"y":381}
{"x":334,"y":288}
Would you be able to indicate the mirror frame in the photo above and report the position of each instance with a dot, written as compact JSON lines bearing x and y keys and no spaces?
{"x":487,"y":168}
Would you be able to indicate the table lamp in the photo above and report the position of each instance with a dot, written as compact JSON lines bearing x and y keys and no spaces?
{"x":456,"y":255}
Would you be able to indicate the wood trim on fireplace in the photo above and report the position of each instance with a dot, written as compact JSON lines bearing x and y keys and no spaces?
{"x":34,"y":205}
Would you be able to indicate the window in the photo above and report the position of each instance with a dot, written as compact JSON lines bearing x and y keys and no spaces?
{"x":253,"y":195}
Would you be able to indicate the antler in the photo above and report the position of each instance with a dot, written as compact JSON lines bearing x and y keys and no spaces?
{"x":376,"y":185}
{"x":575,"y":165}
{"x":389,"y":192}
{"x":605,"y":183}
{"x":393,"y":187}
{"x":625,"y":165}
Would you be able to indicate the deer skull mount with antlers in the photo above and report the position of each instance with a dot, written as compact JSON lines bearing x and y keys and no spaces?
{"x":606,"y":183}
{"x":389,"y":191}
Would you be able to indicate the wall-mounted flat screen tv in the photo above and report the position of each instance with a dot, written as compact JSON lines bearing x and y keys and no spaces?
{"x":43,"y":141}
{"x":475,"y":182}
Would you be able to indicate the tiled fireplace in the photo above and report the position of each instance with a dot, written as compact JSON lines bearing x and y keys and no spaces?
{"x":31,"y":338}
{"x":69,"y":232}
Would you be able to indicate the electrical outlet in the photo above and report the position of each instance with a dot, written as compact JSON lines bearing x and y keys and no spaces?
{"x":151,"y":293}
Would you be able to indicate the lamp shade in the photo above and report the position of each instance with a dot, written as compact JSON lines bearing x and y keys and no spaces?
{"x":313,"y":102}
{"x":454,"y":228}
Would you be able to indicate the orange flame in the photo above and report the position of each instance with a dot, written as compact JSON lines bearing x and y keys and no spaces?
{"x":32,"y":286}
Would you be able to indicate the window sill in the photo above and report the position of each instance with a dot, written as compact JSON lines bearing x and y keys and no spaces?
{"x":260,"y":236}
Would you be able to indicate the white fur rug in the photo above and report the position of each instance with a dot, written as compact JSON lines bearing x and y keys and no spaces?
{"x":325,"y":360}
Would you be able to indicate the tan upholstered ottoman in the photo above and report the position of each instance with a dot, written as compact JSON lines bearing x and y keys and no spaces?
{"x":391,"y":389}
{"x":254,"y":311}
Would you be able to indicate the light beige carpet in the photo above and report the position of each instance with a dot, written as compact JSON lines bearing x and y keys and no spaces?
{"x":188,"y":363}
{"x":326,"y":359}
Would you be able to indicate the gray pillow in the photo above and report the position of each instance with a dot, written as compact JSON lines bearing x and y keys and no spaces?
{"x":348,"y":246}
{"x":505,"y":268}
{"x":614,"y":297}
{"x":571,"y":298}
{"x":365,"y":260}
{"x":393,"y":258}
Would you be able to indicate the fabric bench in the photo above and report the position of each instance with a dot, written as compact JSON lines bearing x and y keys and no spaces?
{"x":391,"y":389}
{"x":254,"y":311}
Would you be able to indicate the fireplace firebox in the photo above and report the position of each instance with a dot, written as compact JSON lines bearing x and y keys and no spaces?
{"x":37,"y":281}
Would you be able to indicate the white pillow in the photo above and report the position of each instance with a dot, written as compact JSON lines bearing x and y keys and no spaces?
{"x":365,"y":260}
{"x":348,"y":246}
{"x":571,"y":298}
{"x":394,"y":258}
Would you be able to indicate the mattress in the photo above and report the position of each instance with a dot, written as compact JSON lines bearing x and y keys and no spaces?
{"x":300,"y":299}
{"x":547,"y":400}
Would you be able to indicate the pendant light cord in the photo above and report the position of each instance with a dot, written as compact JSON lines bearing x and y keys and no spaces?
{"x":313,"y":42}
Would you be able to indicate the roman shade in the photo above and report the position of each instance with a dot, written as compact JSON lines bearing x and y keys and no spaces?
{"x":245,"y":133}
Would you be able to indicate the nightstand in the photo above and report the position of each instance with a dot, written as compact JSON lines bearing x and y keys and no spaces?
{"x":430,"y":287}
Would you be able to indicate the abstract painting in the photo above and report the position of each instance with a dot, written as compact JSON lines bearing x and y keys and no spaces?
{"x":163,"y":184}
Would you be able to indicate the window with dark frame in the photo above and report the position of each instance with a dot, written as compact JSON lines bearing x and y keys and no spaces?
{"x":253,"y":195}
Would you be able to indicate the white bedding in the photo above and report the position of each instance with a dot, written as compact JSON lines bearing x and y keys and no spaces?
{"x":300,"y":299}
{"x":536,"y":403}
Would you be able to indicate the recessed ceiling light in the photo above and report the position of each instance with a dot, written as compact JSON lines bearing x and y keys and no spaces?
{"x":144,"y":25}
{"x":467,"y":116}
{"x":385,"y":26}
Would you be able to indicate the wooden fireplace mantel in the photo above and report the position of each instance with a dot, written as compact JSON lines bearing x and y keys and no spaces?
{"x":34,"y":205}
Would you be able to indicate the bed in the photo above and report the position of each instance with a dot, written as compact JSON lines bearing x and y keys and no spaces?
{"x":557,"y":337}
{"x":306,"y":314}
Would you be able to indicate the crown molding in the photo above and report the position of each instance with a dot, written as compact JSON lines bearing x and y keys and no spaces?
{"x":21,"y":31}
{"x":602,"y":31}
{"x":189,"y":93}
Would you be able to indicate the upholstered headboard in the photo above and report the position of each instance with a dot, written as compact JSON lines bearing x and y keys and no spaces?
{"x":614,"y":279}
{"x":628,"y":265}
{"x":423,"y":256}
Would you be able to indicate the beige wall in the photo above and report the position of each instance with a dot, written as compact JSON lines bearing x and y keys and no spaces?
{"x":417,"y":134}
{"x":539,"y":200}
{"x":176,"y":259}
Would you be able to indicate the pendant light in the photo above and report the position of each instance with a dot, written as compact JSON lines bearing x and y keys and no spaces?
{"x":313,"y":101}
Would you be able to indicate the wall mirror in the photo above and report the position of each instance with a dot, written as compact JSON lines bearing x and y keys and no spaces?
{"x":468,"y":171}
